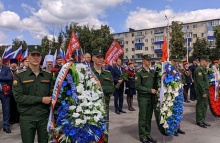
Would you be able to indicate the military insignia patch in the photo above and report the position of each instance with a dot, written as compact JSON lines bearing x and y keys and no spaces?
{"x":15,"y":82}
{"x":199,"y":73}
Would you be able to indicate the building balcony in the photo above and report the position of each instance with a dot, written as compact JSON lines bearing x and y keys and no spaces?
{"x":211,"y":37}
{"x":186,"y":30}
{"x":139,"y":44}
{"x":138,"y":51}
{"x":158,"y":42}
{"x":189,"y":39}
{"x":158,"y":50}
{"x":139,"y":37}
{"x":120,"y":38}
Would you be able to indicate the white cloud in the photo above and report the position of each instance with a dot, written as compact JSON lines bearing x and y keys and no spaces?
{"x":144,"y":18}
{"x":60,"y":11}
{"x":9,"y":20}
{"x":28,"y":9}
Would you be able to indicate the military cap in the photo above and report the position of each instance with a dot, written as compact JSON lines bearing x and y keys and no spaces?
{"x":174,"y":57}
{"x":204,"y":57}
{"x":13,"y":61}
{"x":34,"y":49}
{"x":97,"y":52}
{"x":146,"y":57}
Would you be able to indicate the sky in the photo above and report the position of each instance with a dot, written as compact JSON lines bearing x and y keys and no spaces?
{"x":31,"y":20}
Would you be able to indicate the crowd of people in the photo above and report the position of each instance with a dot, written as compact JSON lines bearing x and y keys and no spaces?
{"x":28,"y":96}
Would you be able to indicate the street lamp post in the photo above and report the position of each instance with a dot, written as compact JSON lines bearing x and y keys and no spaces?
{"x":187,"y":50}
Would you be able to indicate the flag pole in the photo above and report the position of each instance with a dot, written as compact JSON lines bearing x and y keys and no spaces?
{"x":168,"y":41}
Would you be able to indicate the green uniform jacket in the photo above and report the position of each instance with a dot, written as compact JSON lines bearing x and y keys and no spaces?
{"x":201,"y":80}
{"x":144,"y":81}
{"x":28,"y":90}
{"x":106,"y":81}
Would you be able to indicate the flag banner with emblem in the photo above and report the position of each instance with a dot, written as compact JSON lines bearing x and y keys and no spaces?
{"x":73,"y":45}
{"x":164,"y":49}
{"x":113,"y":52}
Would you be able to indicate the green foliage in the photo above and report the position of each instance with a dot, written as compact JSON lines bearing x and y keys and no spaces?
{"x":217,"y":36}
{"x":200,"y":47}
{"x":177,"y":40}
{"x":2,"y":48}
{"x":16,"y":43}
{"x":89,"y":38}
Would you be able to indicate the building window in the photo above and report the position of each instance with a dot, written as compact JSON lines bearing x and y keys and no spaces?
{"x":194,"y":25}
{"x":204,"y":25}
{"x":151,"y":32}
{"x":132,"y":34}
{"x":139,"y":56}
{"x":152,"y":47}
{"x":138,"y":48}
{"x":159,"y":55}
{"x":132,"y":56}
{"x":152,"y":40}
{"x":146,"y":40}
{"x":203,"y":35}
{"x":126,"y":42}
{"x":146,"y":48}
{"x":145,"y":32}
{"x":126,"y":49}
{"x":126,"y":35}
{"x":194,"y":35}
{"x":132,"y":49}
{"x":132,"y":42}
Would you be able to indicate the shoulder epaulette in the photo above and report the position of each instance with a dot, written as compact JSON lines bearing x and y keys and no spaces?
{"x":46,"y":71}
{"x":106,"y":70}
{"x":20,"y":71}
{"x":139,"y":70}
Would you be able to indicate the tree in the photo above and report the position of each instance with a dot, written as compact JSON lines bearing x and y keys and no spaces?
{"x":200,"y":47}
{"x":177,"y":40}
{"x":89,"y":38}
{"x":16,"y":43}
{"x":45,"y":44}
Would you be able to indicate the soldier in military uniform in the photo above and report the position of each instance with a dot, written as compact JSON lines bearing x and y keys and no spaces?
{"x":202,"y":91}
{"x":144,"y":81}
{"x":31,"y":89}
{"x":105,"y":79}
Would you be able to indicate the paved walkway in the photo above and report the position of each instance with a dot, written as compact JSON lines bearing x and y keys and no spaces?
{"x":123,"y":128}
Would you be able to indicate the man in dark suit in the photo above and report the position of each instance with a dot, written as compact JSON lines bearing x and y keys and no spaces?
{"x":87,"y":61}
{"x":5,"y":79}
{"x":119,"y":93}
{"x":192,"y":68}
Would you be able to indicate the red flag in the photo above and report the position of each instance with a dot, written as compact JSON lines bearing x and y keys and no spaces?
{"x":164,"y":50}
{"x":73,"y":45}
{"x":113,"y":52}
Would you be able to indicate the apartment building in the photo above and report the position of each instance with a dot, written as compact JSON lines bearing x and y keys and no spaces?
{"x":150,"y":41}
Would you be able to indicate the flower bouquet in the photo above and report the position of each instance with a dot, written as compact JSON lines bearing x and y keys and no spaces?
{"x":77,"y":112}
{"x":169,"y":101}
{"x":6,"y":89}
{"x":124,"y":76}
{"x":214,"y":91}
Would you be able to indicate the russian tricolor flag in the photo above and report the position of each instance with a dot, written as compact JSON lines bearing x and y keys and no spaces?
{"x":24,"y":55}
{"x":7,"y":51}
{"x":17,"y":54}
{"x":62,"y":55}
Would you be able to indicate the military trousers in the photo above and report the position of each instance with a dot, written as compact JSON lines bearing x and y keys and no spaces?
{"x":201,"y":108}
{"x":145,"y":105}
{"x":29,"y":127}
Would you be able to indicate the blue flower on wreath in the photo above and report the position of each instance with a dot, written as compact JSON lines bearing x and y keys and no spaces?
{"x":68,"y":92}
{"x":64,"y":83}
